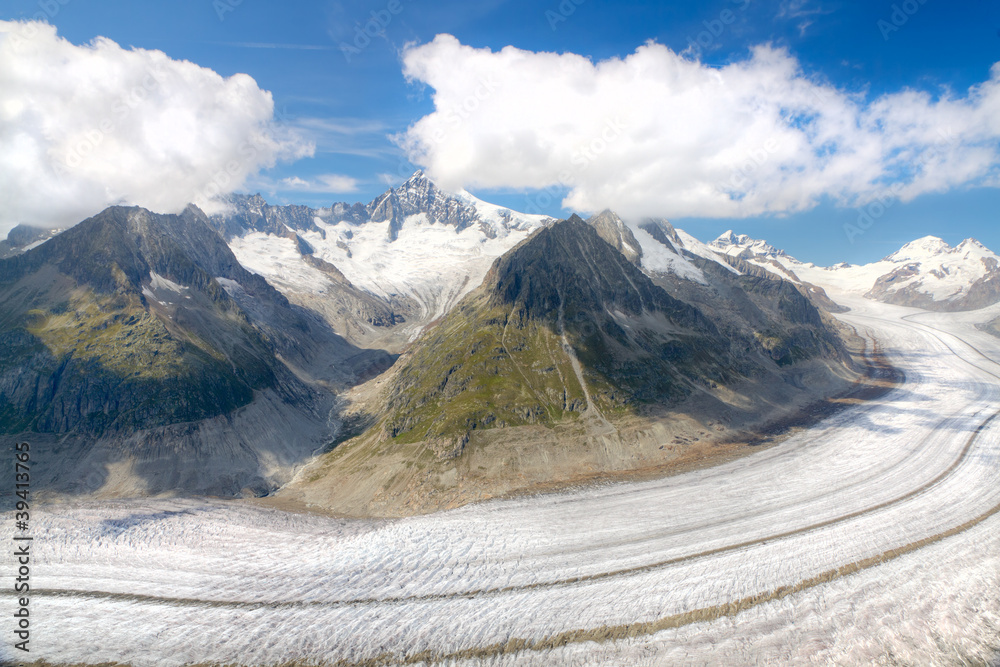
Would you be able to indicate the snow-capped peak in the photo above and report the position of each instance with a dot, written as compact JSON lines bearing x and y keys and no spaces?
{"x":926,"y":273}
{"x":921,"y":249}
{"x":417,"y":246}
{"x":744,"y":247}
{"x":728,"y":238}
{"x":971,"y":244}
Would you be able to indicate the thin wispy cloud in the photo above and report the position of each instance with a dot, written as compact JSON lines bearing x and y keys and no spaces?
{"x":360,"y":137}
{"x":805,"y":11}
{"x":346,"y":126}
{"x":366,"y":152}
{"x":801,"y":8}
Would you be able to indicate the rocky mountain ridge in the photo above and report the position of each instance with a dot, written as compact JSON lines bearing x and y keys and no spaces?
{"x":22,"y":238}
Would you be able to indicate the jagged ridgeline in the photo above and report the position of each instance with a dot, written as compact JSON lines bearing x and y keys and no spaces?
{"x":120,"y":323}
{"x":563,"y":323}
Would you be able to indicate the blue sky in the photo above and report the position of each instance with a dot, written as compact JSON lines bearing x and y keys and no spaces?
{"x":349,"y":104}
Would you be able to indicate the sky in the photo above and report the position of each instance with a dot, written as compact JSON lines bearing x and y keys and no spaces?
{"x":835,"y":130}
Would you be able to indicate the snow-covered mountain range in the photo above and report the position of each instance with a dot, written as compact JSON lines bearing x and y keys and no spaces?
{"x":415,"y":250}
{"x":380,"y":272}
{"x":926,"y":273}
{"x":255,"y":319}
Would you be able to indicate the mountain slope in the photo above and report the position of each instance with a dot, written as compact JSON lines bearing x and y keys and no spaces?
{"x":76,"y":310}
{"x":569,"y":361}
{"x":563,"y":300}
{"x":131,"y":323}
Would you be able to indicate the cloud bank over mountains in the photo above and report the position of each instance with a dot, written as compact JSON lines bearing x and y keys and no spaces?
{"x":83,"y":127}
{"x":654,"y":133}
{"x":659,"y":133}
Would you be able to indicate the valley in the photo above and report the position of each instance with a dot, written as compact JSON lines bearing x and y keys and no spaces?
{"x":532,"y":441}
{"x":886,"y":509}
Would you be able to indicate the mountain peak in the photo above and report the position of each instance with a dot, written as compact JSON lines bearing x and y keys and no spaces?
{"x":415,"y":177}
{"x":971,"y":243}
{"x":23,"y":238}
{"x":725,"y":239}
{"x":925,"y":247}
{"x":608,"y":214}
{"x":612,"y":229}
{"x":744,"y":247}
{"x":570,"y":260}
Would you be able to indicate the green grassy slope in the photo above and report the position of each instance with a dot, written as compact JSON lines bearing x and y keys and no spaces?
{"x":86,"y":349}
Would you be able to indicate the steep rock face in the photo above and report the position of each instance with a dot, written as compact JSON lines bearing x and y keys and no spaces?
{"x":419,"y":195}
{"x":611,"y":228}
{"x":570,"y":261}
{"x":753,"y":306}
{"x":252,"y":212}
{"x":662,"y":231}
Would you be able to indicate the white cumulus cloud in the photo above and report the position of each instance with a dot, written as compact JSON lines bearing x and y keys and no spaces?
{"x":83,"y":127}
{"x":658,"y":133}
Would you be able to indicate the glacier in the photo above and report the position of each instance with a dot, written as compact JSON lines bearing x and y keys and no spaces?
{"x":871,"y":536}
